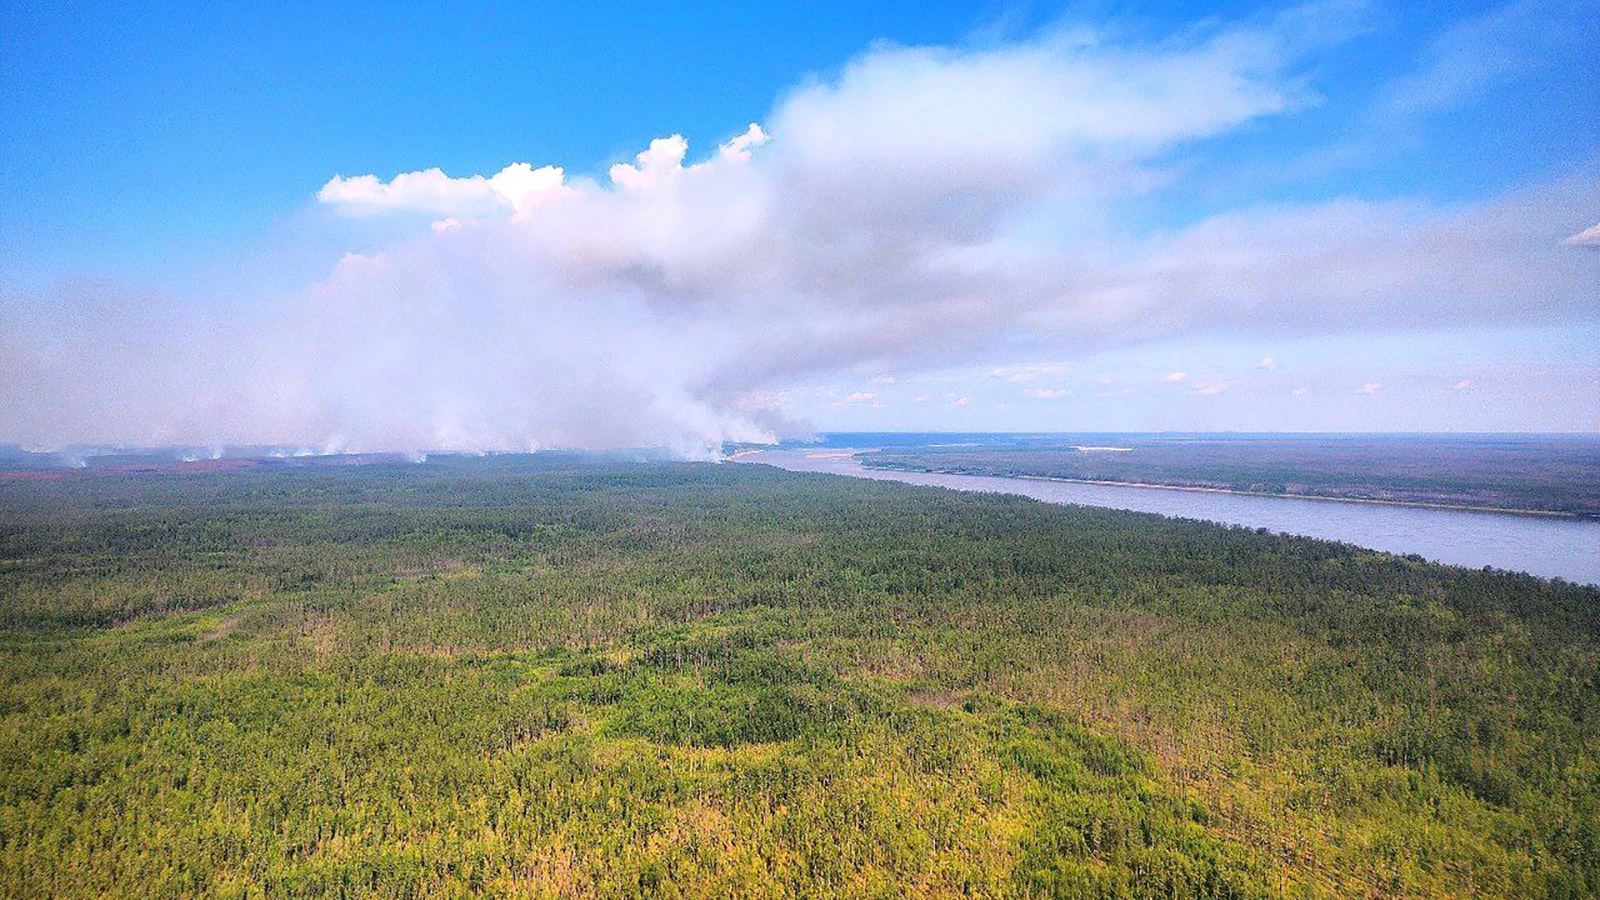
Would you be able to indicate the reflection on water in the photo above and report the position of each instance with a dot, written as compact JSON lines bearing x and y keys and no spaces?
{"x":1548,"y":546}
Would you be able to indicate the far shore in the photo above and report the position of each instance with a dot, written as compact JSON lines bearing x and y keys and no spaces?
{"x":1155,"y":485}
{"x":1423,"y":504}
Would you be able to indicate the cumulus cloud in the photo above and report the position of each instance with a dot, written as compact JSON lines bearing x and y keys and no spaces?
{"x":1267,"y":363}
{"x":431,"y":190}
{"x":1463,"y":384}
{"x":1048,"y":393}
{"x":927,"y":206}
{"x":662,"y":159}
{"x":1369,"y":388}
{"x":739,"y":147}
{"x":1177,"y":377}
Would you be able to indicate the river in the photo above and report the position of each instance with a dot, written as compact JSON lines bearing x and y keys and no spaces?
{"x":1550,"y":546}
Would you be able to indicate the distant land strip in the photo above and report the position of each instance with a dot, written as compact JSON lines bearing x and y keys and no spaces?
{"x":1511,"y":510}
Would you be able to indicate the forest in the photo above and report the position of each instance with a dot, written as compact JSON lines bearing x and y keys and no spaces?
{"x":1544,"y":473}
{"x":552,"y":676}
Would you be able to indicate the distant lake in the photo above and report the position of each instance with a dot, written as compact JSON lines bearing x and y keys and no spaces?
{"x":1549,"y":546}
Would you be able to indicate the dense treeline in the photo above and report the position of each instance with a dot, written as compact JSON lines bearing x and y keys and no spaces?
{"x":543,"y":677}
{"x":1536,"y":473}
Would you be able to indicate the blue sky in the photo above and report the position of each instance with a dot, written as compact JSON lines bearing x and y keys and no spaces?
{"x":166,"y":194}
{"x":214,"y":120}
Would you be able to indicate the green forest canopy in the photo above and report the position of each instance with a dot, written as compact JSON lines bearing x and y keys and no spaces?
{"x":546,"y":677}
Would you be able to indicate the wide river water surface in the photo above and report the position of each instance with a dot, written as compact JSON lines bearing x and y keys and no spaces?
{"x":1550,"y":546}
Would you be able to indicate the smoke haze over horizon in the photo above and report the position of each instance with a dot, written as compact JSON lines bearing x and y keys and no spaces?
{"x":920,"y":229}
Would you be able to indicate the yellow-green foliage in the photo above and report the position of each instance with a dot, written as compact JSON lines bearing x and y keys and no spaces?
{"x":547,"y":678}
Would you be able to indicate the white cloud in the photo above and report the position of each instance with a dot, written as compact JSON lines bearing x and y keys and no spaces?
{"x":957,"y":399}
{"x":1299,"y":392}
{"x":1463,"y":384}
{"x":1370,"y":387}
{"x":1048,"y":393}
{"x":1589,"y":237}
{"x":431,"y":190}
{"x":858,"y":397}
{"x":521,"y":183}
{"x":738,"y":149}
{"x":662,"y":159}
{"x":1267,"y":363}
{"x":1176,"y":376}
